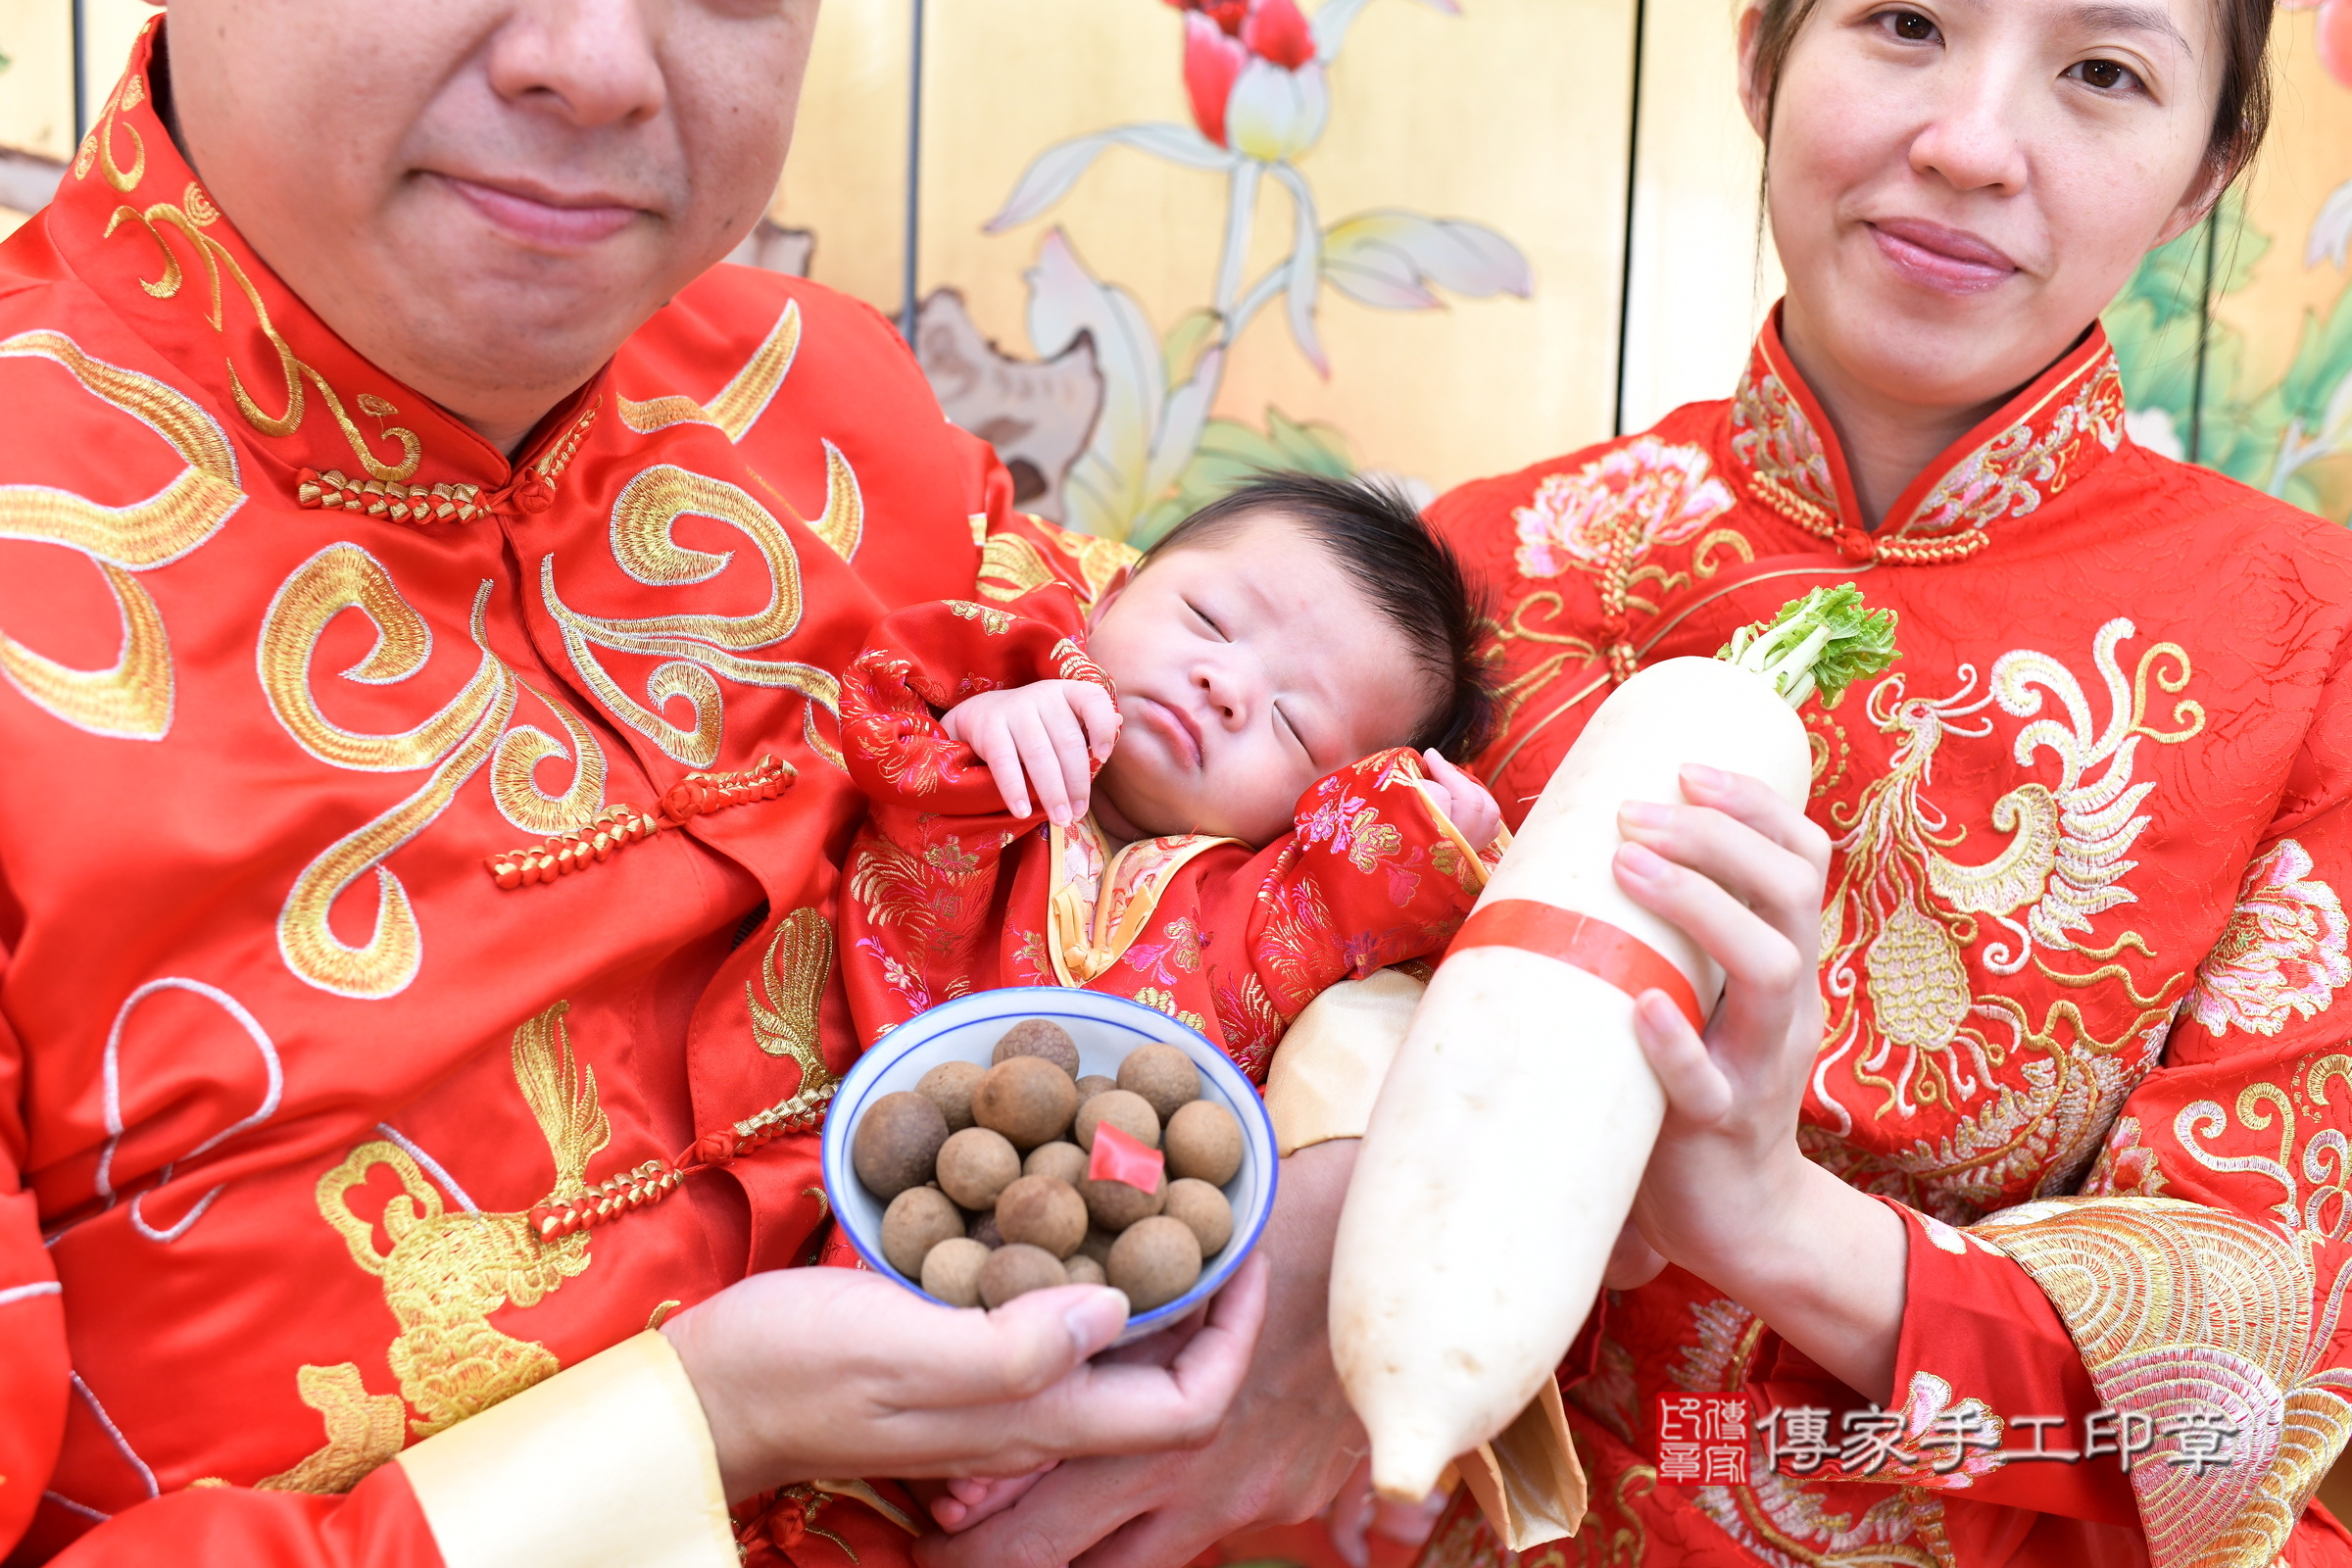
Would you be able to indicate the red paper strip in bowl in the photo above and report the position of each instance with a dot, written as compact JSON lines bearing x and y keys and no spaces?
{"x":1119,"y":1158}
{"x":1611,"y":953}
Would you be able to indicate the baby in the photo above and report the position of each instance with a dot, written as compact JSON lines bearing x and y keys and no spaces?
{"x":1268,"y":695}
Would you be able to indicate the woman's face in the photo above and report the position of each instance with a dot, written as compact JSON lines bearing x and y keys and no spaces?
{"x":1958,"y":188}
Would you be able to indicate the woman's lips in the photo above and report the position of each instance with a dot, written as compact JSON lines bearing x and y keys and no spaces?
{"x":1172,"y":727}
{"x":558,"y":223}
{"x":1949,"y":261}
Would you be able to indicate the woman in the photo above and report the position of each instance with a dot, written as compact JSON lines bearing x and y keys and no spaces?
{"x":2057,"y":1137}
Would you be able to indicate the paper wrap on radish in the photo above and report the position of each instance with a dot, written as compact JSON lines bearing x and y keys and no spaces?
{"x":1514,"y":1124}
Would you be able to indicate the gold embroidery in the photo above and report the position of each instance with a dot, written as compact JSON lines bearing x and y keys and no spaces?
{"x":800,"y":960}
{"x":446,"y":1273}
{"x":1161,"y":1001}
{"x":1902,"y":914}
{"x":134,"y":698}
{"x":697,"y":646}
{"x":513,"y":769}
{"x":128,"y":94}
{"x":1012,"y":566}
{"x":2185,"y":1313}
{"x":2326,"y":1211}
{"x":454,"y":742}
{"x":843,"y":523}
{"x":992,"y":622}
{"x":363,"y":1431}
{"x":740,"y":403}
{"x":190,"y":218}
{"x":785,"y":1012}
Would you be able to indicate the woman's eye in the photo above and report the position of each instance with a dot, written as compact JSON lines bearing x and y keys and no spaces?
{"x":2104,"y":74}
{"x":1910,"y":26}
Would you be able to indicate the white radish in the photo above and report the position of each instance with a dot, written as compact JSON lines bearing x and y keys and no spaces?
{"x":1513,"y":1127}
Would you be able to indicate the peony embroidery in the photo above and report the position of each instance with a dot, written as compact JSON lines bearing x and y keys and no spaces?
{"x":1643,"y":494}
{"x":2282,"y":951}
{"x":2127,"y":1167}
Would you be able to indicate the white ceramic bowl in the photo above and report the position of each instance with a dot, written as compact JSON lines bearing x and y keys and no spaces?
{"x":1107,"y":1028}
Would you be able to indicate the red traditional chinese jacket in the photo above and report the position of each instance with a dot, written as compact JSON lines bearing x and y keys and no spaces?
{"x":407,"y":857}
{"x":950,"y":893}
{"x":2083,"y":960}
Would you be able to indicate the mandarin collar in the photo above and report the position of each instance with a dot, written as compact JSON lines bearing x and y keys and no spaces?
{"x":136,"y":226}
{"x":2046,"y":437}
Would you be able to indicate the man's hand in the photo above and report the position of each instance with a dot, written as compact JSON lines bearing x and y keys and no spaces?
{"x":1284,"y":1450}
{"x":1046,"y":736}
{"x":1469,"y":805}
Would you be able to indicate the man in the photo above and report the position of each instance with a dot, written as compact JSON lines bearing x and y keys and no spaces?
{"x":420,"y":831}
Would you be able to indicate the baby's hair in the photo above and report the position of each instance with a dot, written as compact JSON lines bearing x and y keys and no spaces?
{"x":1410,"y":574}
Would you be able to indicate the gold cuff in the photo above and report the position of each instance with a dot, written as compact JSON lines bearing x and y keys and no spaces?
{"x":608,"y":1461}
{"x":1329,"y":1067}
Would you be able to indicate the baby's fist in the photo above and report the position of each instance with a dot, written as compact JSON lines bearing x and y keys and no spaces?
{"x":1469,"y":805}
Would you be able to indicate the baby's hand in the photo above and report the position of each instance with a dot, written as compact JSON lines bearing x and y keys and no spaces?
{"x":1468,"y":804}
{"x":968,"y":1500}
{"x":1041,"y":736}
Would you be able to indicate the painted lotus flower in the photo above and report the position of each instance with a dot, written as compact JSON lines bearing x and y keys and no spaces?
{"x":1665,"y":492}
{"x":1254,"y":76}
{"x":2282,"y":951}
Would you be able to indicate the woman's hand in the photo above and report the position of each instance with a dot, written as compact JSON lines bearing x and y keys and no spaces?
{"x":1727,"y":1194}
{"x":812,"y":1372}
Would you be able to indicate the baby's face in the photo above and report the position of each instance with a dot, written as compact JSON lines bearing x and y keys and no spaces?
{"x":1246,"y":669}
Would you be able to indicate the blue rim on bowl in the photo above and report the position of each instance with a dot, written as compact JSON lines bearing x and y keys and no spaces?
{"x":1106,"y":1028}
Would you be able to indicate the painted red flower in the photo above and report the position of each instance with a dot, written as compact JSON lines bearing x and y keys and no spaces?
{"x":1221,"y":40}
{"x":2332,"y":33}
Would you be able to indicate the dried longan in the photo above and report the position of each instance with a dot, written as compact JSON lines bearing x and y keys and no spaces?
{"x":1097,"y":1244}
{"x":1059,"y":1161}
{"x":1027,"y":1098}
{"x":918,"y":1220}
{"x":1115,"y":1206}
{"x":976,"y":1165}
{"x":1204,"y":1208}
{"x":1164,"y":1075}
{"x":1039,"y":1037}
{"x":1084,"y":1270}
{"x":948,"y":1085}
{"x":1130,"y":1112}
{"x":1154,"y":1261}
{"x":952,"y":1271}
{"x":1093,"y":1083}
{"x":1015,"y":1270}
{"x":897,"y":1140}
{"x":1204,"y":1142}
{"x":984,"y":1231}
{"x":1041,"y":1211}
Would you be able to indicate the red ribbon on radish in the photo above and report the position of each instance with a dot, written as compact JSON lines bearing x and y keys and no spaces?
{"x":1607,"y":951}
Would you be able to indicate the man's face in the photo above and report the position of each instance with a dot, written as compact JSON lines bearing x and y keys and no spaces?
{"x":1246,"y":669}
{"x":485,"y":197}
